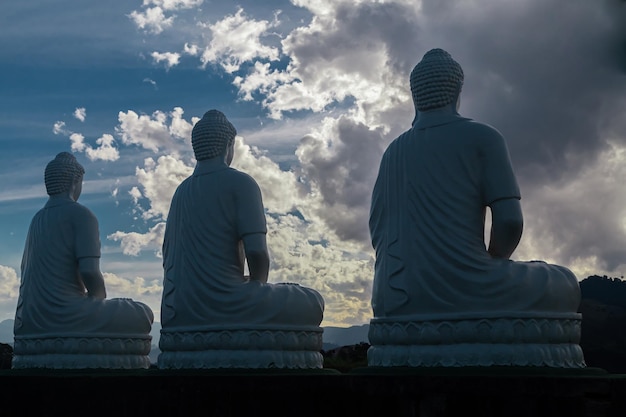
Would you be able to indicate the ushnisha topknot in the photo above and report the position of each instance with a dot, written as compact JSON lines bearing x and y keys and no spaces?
{"x":212,"y":135}
{"x":436,"y":80}
{"x":61,"y":172}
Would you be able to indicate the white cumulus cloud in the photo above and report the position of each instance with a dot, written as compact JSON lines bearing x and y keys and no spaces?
{"x":170,"y":59}
{"x":105,"y":150}
{"x":158,"y":180}
{"x":154,"y":132}
{"x":301,"y":251}
{"x":152,"y":19}
{"x":9,"y":284}
{"x":135,"y":194}
{"x":9,"y":292}
{"x":191,"y":49}
{"x":78,"y":142}
{"x":280,"y":189}
{"x":237,"y":39}
{"x":173,"y":4}
{"x":133,"y":243}
{"x":80,"y":113}
{"x":58,"y":128}
{"x":137,"y":287}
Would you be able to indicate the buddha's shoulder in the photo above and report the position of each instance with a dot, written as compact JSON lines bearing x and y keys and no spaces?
{"x":79,"y":208}
{"x":237,"y":181}
{"x":239,"y":176}
{"x":227,"y":174}
{"x":479,"y":130}
{"x":78,"y":212}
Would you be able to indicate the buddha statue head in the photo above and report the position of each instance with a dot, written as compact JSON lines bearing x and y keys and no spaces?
{"x":213,"y":136}
{"x":64,"y":175}
{"x":436,"y":81}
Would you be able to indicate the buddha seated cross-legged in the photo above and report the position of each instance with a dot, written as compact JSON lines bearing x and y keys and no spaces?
{"x":440,"y":297}
{"x":63,"y":319}
{"x":212,"y":316}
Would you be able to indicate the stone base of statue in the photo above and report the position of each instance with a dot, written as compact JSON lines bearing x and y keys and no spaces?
{"x":82,"y":352}
{"x":498,"y":339}
{"x":241,"y":347}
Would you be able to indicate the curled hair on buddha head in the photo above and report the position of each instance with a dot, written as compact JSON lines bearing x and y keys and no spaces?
{"x":436,"y":80}
{"x":212,"y":135}
{"x":61,"y":172}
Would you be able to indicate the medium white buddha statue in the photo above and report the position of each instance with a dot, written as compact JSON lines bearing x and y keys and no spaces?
{"x":440,"y":296}
{"x":212,"y":315}
{"x":63,"y":319}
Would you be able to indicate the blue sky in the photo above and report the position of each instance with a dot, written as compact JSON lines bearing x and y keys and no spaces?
{"x":316,"y":89}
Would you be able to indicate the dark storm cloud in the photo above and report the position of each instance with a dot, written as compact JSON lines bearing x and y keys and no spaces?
{"x":582,"y":223}
{"x":343,"y":166}
{"x":344,"y":169}
{"x":550,"y":75}
{"x":545,"y":75}
{"x":617,"y":46}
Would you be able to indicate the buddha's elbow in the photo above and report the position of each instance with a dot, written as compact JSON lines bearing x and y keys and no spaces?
{"x":258,"y":255}
{"x":505,"y":236}
{"x":509,"y":229}
{"x":514,"y":226}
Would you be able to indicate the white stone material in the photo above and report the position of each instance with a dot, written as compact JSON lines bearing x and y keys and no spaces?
{"x":427,"y":222}
{"x":488,"y":339}
{"x":242,"y":347}
{"x":215,"y":225}
{"x":65,"y":352}
{"x":63,"y":318}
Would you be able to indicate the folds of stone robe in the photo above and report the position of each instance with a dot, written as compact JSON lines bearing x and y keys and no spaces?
{"x":427,"y":227}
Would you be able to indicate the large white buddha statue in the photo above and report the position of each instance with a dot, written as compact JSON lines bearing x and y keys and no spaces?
{"x":212,"y":314}
{"x":63,"y":319}
{"x":440,"y":296}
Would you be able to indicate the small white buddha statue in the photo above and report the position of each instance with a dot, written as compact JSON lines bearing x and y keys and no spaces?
{"x":212,"y":315}
{"x":459,"y":302}
{"x":63,"y":319}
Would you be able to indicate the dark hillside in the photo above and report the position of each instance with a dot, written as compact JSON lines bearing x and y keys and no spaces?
{"x":603,"y":308}
{"x":606,"y":290}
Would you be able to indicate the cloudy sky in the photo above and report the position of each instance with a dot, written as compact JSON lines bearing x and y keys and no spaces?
{"x":317,"y":90}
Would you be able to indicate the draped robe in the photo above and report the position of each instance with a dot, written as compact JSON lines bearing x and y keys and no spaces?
{"x":427,"y":223}
{"x":204,"y":283}
{"x":53,"y":299}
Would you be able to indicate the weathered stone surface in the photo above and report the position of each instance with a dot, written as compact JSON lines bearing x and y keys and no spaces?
{"x":440,"y":297}
{"x":63,"y":318}
{"x":212,"y":314}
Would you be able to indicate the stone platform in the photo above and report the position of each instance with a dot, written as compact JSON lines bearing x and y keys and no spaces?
{"x":435,"y":392}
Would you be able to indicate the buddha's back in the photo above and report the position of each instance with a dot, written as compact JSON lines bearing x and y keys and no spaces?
{"x":440,"y":296}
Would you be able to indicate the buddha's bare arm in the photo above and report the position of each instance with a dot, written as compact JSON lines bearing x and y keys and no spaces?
{"x":257,"y":256}
{"x":507,"y":224}
{"x":89,"y":269}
